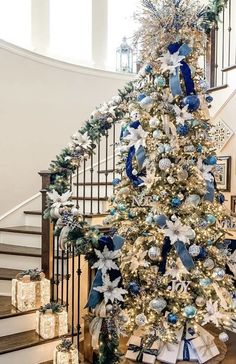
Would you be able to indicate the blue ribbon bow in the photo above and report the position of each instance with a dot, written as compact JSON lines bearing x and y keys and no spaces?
{"x":186,"y":353}
{"x":184,"y":50}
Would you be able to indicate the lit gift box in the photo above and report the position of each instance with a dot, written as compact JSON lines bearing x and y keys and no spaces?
{"x":30,"y":290}
{"x":137,"y":352}
{"x":169,"y":351}
{"x":205,"y":348}
{"x":65,"y":353}
{"x":51,"y":321}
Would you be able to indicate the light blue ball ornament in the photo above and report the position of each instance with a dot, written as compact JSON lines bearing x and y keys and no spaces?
{"x":192,"y":101}
{"x":112,"y":211}
{"x":205,"y":282}
{"x":146,"y":101}
{"x":172,"y":318}
{"x":199,"y":148}
{"x":193,"y":200}
{"x":211,"y":219}
{"x":175,"y":202}
{"x":209,"y":242}
{"x":160,"y":220}
{"x":116,"y":181}
{"x":211,"y":160}
{"x":190,"y":311}
{"x":149,"y":220}
{"x":121,"y":207}
{"x":140,"y":97}
{"x":160,"y":81}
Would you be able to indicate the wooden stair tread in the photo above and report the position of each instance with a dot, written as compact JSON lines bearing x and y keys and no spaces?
{"x":7,"y":274}
{"x":106,"y":171}
{"x":10,"y":249}
{"x":33,"y":212}
{"x":90,"y":198}
{"x":7,"y":310}
{"x":23,"y":229}
{"x":102,"y":214}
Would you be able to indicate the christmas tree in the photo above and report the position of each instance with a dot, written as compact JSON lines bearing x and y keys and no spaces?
{"x":166,"y":207}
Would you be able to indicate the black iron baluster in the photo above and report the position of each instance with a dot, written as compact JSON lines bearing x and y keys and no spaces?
{"x":79,"y":271}
{"x":57,"y":268}
{"x":84,"y":188}
{"x":77,"y":187}
{"x":91,"y":187}
{"x":53,"y":267}
{"x":106,"y":162}
{"x":99,"y":169}
{"x":114,"y":150}
{"x":67,"y":278}
{"x":73,"y":293}
{"x":62,"y":275}
{"x":229,"y":29}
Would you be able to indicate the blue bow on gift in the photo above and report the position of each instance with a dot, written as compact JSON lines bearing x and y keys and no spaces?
{"x":141,"y":351}
{"x":184,"y":50}
{"x":186,"y":353}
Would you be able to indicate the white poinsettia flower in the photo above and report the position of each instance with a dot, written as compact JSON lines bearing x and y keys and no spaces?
{"x":182,"y":114}
{"x":111,"y":290}
{"x":176,"y":270}
{"x":177,"y":231}
{"x":205,"y":170}
{"x":169,"y":62}
{"x":58,"y":200}
{"x":213,"y":314}
{"x":106,"y":109}
{"x":138,"y":260}
{"x":105,"y":261}
{"x":82,"y":140}
{"x":137,"y":137}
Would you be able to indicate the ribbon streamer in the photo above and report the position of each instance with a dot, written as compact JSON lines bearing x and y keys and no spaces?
{"x":184,"y":255}
{"x":141,"y":351}
{"x":94,"y":296}
{"x":186,"y":353}
{"x":165,"y":251}
{"x":209,"y":196}
{"x":129,"y":168}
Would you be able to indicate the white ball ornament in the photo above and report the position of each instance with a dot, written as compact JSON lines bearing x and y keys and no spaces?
{"x":157,"y":134}
{"x":164,"y":164}
{"x":154,"y":122}
{"x":154,"y":253}
{"x":218,"y":274}
{"x":191,"y":234}
{"x":141,"y":319}
{"x":194,"y":250}
{"x":158,"y":304}
{"x":209,"y":264}
{"x":170,"y":180}
{"x":200,"y":301}
{"x":224,"y":337}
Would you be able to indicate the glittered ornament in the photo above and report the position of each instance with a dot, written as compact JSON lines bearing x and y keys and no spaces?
{"x":210,"y":160}
{"x":175,"y":202}
{"x":160,"y":220}
{"x":160,"y":81}
{"x":157,"y":134}
{"x":158,"y":304}
{"x":170,"y":180}
{"x":141,"y":319}
{"x":205,"y":282}
{"x":200,"y":301}
{"x":134,"y":288}
{"x":164,"y":164}
{"x":194,"y":250}
{"x":172,"y":318}
{"x":182,"y":130}
{"x":224,"y":337}
{"x":192,"y":101}
{"x":154,"y":253}
{"x":154,"y":122}
{"x":218,"y":274}
{"x":121,"y":207}
{"x":193,"y":200}
{"x":209,"y":264}
{"x":211,"y":219}
{"x":190,"y":311}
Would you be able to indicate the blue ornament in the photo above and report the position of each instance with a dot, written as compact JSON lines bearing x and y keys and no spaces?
{"x":218,"y":273}
{"x":191,"y":331}
{"x":160,"y":220}
{"x":172,"y":318}
{"x":202,"y":255}
{"x":182,"y":130}
{"x":146,"y":101}
{"x":175,"y":202}
{"x":121,"y":207}
{"x":211,"y":219}
{"x":112,"y":211}
{"x":209,"y":99}
{"x":140,"y":97}
{"x":205,"y":282}
{"x":134,"y":288}
{"x":160,"y":81}
{"x":211,"y":160}
{"x":131,"y":215}
{"x":199,"y":148}
{"x":116,"y":181}
{"x":190,"y":311}
{"x":209,"y":242}
{"x":221,"y":198}
{"x":149,"y":220}
{"x":148,"y":68}
{"x":192,"y":101}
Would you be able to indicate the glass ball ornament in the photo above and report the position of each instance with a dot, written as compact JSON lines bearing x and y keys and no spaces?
{"x":160,"y":220}
{"x":218,"y":274}
{"x":190,"y":311}
{"x":116,"y":181}
{"x":164,"y":164}
{"x":175,"y":202}
{"x":205,"y":282}
{"x":210,"y":160}
{"x":172,"y":318}
{"x":199,"y":148}
{"x":170,"y":180}
{"x":192,"y":101}
{"x":224,"y":337}
{"x":134,"y":288}
{"x":200,"y":301}
{"x":194,"y":250}
{"x":158,"y":304}
{"x":209,"y":264}
{"x":191,"y":234}
{"x":209,"y":99}
{"x":157,"y":134}
{"x":154,"y":253}
{"x":182,"y":130}
{"x":121,"y":207}
{"x":141,"y":319}
{"x":211,"y":219}
{"x":160,"y":81}
{"x":149,"y":220}
{"x":140,"y":97}
{"x":154,"y":122}
{"x":146,"y":101}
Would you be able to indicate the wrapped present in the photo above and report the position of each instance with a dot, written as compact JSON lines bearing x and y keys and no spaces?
{"x":65,"y":353}
{"x":137,"y":352}
{"x":169,"y":351}
{"x":186,"y":351}
{"x":205,"y":347}
{"x":51,"y":321}
{"x":30,"y":290}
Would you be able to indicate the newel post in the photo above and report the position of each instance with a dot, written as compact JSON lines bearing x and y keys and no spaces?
{"x":47,"y":229}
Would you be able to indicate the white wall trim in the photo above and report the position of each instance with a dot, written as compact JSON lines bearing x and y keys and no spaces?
{"x":17,"y":207}
{"x":35,"y":57}
{"x":224,"y":105}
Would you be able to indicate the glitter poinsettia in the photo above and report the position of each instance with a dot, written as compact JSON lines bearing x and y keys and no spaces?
{"x":170,"y":62}
{"x":177,"y":231}
{"x":106,"y":260}
{"x":110,"y":289}
{"x":136,"y":137}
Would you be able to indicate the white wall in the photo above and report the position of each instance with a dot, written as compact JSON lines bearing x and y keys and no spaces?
{"x":42,"y":102}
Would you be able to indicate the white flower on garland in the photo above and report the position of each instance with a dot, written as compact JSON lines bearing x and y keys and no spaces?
{"x":137,"y":137}
{"x":170,"y":62}
{"x":205,"y":170}
{"x":58,"y":200}
{"x":177,"y":231}
{"x":213,"y":314}
{"x":111,"y":290}
{"x":182,"y":114}
{"x":105,"y":261}
{"x":138,"y":260}
{"x":82,"y":140}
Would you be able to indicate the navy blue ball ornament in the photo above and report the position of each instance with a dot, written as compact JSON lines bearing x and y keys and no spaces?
{"x":221,"y":198}
{"x":209,"y":99}
{"x":172,"y":318}
{"x":192,"y":101}
{"x":175,"y":202}
{"x":202,"y":255}
{"x":134,"y":288}
{"x":140,"y":97}
{"x":211,"y":160}
{"x":182,"y":130}
{"x":148,"y":68}
{"x":160,"y":220}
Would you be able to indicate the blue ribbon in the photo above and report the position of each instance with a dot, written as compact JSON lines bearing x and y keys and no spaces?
{"x":164,"y":253}
{"x":209,"y":196}
{"x":184,"y":50}
{"x":186,"y":353}
{"x":114,"y":243}
{"x":184,"y":255}
{"x":94,"y":296}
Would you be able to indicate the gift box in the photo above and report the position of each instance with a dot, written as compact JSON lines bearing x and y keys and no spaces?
{"x":51,"y":321}
{"x":186,"y":351}
{"x":65,"y":353}
{"x":30,"y":290}
{"x":205,"y":347}
{"x":137,"y":352}
{"x":169,"y":351}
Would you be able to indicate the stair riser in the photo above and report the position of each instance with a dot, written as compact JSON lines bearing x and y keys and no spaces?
{"x":33,"y":220}
{"x":17,"y":324}
{"x":33,"y":355}
{"x":5,"y":289}
{"x":19,"y":262}
{"x":30,"y":240}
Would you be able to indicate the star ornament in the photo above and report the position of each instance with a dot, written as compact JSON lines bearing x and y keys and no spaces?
{"x":136,"y":137}
{"x":177,"y":231}
{"x":170,"y":62}
{"x":105,"y":260}
{"x":111,"y":290}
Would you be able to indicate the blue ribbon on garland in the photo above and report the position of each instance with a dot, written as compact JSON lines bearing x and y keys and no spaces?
{"x":184,"y":255}
{"x":186,"y":353}
{"x":94,"y":296}
{"x":164,"y":253}
{"x":184,"y":50}
{"x":209,"y":196}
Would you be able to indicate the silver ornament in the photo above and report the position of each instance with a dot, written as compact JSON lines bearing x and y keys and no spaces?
{"x":164,"y":164}
{"x":218,"y":274}
{"x":141,"y":319}
{"x":157,"y":134}
{"x":224,"y":337}
{"x":170,"y":180}
{"x":158,"y":304}
{"x":191,"y":234}
{"x":194,"y":250}
{"x":154,"y":253}
{"x":200,"y":301}
{"x":209,"y":264}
